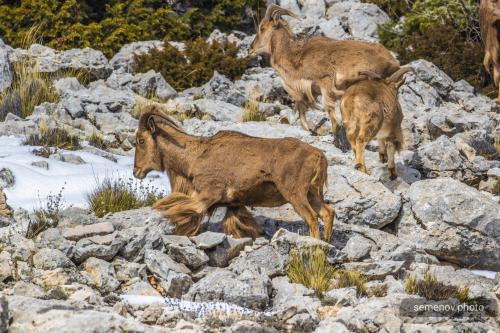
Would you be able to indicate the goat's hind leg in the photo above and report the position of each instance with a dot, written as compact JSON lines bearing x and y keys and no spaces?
{"x":301,"y":108}
{"x":391,"y":149}
{"x":382,"y":151}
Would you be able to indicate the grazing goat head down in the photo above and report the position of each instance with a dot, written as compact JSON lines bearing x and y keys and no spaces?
{"x":370,"y":109}
{"x":489,"y":18}
{"x":316,"y":66}
{"x":269,"y":173}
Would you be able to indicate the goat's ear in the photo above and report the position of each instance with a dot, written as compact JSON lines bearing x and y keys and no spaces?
{"x":151,"y":124}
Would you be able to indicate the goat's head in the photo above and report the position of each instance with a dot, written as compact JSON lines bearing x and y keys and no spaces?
{"x":272,"y":21}
{"x":147,"y":157}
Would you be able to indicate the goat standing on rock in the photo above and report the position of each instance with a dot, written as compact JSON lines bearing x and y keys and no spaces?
{"x":232,"y":170}
{"x":317,"y":65}
{"x":370,"y":108}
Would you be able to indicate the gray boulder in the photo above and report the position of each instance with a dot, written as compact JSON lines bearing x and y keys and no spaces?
{"x":102,"y":274}
{"x":222,"y":89}
{"x":248,"y":289}
{"x":221,"y":254}
{"x":52,"y":238}
{"x":376,"y":270}
{"x":266,"y":259}
{"x":5,"y":68}
{"x":295,"y":305}
{"x":360,"y":19}
{"x":219,"y":110}
{"x":4,"y":314}
{"x":431,"y":74}
{"x":68,"y":158}
{"x":102,"y":247}
{"x":182,"y":250}
{"x":81,"y":231}
{"x":149,"y":84}
{"x":261,"y":83}
{"x":208,"y":239}
{"x":138,"y":239}
{"x":454,"y":222}
{"x":173,"y":278}
{"x":92,"y":62}
{"x":7,"y":178}
{"x":360,"y":199}
{"x":51,"y":259}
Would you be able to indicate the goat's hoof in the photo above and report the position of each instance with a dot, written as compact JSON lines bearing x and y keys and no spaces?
{"x":358,"y":166}
{"x":313,"y":133}
{"x":382,"y":158}
{"x":392,"y":174}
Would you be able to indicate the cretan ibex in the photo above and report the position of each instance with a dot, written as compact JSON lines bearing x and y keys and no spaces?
{"x":232,"y":170}
{"x":370,"y":108}
{"x":317,"y":65}
{"x":489,"y":18}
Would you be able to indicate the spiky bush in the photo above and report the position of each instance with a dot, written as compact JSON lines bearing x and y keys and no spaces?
{"x":112,"y":196}
{"x":430,"y":288}
{"x":345,"y":278}
{"x":195,"y":65}
{"x":108,"y":25}
{"x":251,"y":112}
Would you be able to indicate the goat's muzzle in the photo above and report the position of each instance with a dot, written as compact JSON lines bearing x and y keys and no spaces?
{"x":138,"y":173}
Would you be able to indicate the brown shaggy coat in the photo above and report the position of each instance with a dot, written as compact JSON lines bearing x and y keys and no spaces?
{"x":489,"y":17}
{"x":370,"y":108}
{"x":233,"y":170}
{"x":317,"y":65}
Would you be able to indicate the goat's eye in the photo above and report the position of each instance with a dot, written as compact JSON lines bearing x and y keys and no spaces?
{"x":141,"y":141}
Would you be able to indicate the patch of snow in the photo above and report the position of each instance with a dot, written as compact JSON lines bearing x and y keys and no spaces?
{"x":33,"y":184}
{"x":484,"y":273}
{"x":199,"y":309}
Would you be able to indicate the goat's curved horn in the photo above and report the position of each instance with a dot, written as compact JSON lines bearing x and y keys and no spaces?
{"x":274,"y":12}
{"x":396,"y":76}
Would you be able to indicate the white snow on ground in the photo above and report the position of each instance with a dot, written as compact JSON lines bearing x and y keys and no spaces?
{"x":33,"y":184}
{"x":486,"y":274}
{"x":200,"y":309}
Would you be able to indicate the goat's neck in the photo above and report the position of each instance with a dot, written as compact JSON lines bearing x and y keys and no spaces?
{"x":284,"y":52}
{"x":177,"y":150}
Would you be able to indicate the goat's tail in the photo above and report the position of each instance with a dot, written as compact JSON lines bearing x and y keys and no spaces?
{"x":185,"y":211}
{"x":239,"y":222}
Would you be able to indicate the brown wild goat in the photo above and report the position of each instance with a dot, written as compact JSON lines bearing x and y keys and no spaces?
{"x":489,"y":18}
{"x":232,"y":170}
{"x":370,"y":108}
{"x":317,"y":65}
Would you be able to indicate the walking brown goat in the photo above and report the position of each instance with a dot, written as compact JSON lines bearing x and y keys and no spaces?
{"x":370,"y":108}
{"x":489,"y":18}
{"x":317,"y":65}
{"x":232,"y":170}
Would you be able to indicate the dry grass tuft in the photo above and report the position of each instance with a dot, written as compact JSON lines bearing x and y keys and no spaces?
{"x":430,"y":288}
{"x":53,"y":137}
{"x":311,"y":268}
{"x":112,"y":196}
{"x":344,"y":278}
{"x":97,"y":141}
{"x":251,"y":111}
{"x":30,"y":87}
{"x":47,"y":216}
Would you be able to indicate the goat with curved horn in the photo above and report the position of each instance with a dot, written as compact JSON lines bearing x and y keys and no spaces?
{"x":270,"y":173}
{"x":316,"y":66}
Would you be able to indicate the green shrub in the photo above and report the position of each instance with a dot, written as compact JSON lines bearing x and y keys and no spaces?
{"x":445,"y":32}
{"x":108,"y":25}
{"x":311,"y":268}
{"x":195,"y":65}
{"x":118,"y":195}
{"x":53,"y":137}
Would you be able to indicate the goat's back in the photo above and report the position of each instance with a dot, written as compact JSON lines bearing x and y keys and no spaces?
{"x":345,"y":57}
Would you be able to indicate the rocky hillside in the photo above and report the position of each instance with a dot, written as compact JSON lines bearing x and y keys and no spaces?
{"x":438,"y":223}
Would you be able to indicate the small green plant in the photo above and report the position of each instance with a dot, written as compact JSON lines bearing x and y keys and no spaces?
{"x":430,"y":288}
{"x":251,"y":112}
{"x":53,"y":137}
{"x":47,"y":216}
{"x":345,"y":278}
{"x":311,"y":268}
{"x":118,"y":195}
{"x":195,"y":65}
{"x":97,"y":141}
